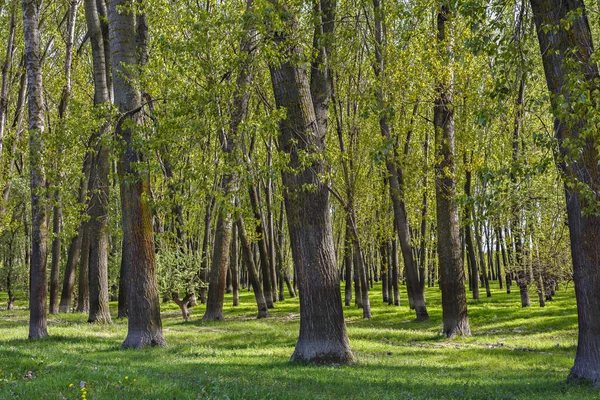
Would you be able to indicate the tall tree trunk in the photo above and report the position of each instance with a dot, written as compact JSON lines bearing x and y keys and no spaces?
{"x":99,"y":178}
{"x":62,"y":116}
{"x":144,"y":326}
{"x":522,"y":275}
{"x":454,"y":300}
{"x":323,"y":337}
{"x":566,"y":51}
{"x":396,"y":179}
{"x":39,"y":229}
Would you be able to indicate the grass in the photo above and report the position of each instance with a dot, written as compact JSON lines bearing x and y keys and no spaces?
{"x":514,"y":353}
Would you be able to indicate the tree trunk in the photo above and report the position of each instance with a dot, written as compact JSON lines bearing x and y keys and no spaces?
{"x":233,"y":261}
{"x":183,"y":304}
{"x":384,"y":271}
{"x":144,"y":326}
{"x":124,"y":283}
{"x":39,"y":229}
{"x":498,"y":251}
{"x":566,"y":52}
{"x":348,"y":265}
{"x":396,"y":179}
{"x":396,"y":272}
{"x":83,"y":288}
{"x":99,"y":180}
{"x":263,"y":310}
{"x":220,"y":263}
{"x":263,"y":251}
{"x":56,"y":250}
{"x":484,"y":272}
{"x":468,"y":234}
{"x":454,"y":300}
{"x":75,"y":247}
{"x":323,"y":337}
{"x":204,"y":255}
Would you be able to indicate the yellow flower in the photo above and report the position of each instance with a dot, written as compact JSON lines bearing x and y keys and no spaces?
{"x":126,"y":377}
{"x":70,"y":385}
{"x":134,"y":379}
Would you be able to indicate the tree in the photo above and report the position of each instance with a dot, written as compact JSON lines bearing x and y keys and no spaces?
{"x":323,"y":337}
{"x":572,"y":77}
{"x":39,"y":228}
{"x":454,"y":300}
{"x":144,"y":326}
{"x":99,"y":176}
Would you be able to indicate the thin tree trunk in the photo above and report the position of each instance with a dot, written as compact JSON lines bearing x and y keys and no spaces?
{"x":396,"y":179}
{"x":396,"y":272}
{"x":468,"y":234}
{"x":10,"y":47}
{"x":124,"y":283}
{"x":348,"y":265}
{"x":204,"y":254}
{"x":498,"y":251}
{"x":484,"y":272}
{"x":233,"y":262}
{"x":265,"y":262}
{"x":263,"y":310}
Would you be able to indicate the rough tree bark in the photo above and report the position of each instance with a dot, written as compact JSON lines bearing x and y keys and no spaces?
{"x":39,"y":229}
{"x":567,"y":52}
{"x":454,"y":299}
{"x":144,"y":323}
{"x":323,"y":337}
{"x":99,"y":178}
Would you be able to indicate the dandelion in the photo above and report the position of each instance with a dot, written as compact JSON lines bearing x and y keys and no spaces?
{"x":134,"y":380}
{"x":126,"y":377}
{"x":70,"y":385}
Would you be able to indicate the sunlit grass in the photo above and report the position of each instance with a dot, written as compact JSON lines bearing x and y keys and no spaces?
{"x":514,"y":353}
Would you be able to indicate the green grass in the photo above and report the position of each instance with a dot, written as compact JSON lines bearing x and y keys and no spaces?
{"x":514,"y":353}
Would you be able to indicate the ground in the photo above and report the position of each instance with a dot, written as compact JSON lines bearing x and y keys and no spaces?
{"x":514,"y":353}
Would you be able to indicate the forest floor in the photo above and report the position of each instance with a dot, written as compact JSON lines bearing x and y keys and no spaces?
{"x":514,"y":353}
